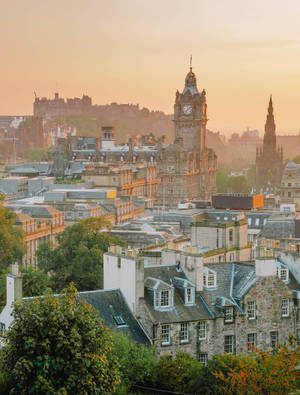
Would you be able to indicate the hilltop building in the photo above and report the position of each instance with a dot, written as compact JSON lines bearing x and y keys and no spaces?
{"x":269,"y":158}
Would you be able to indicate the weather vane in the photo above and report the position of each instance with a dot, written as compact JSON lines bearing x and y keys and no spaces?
{"x":191,"y":58}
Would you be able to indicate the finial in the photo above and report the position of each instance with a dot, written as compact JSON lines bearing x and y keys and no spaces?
{"x":191,"y":59}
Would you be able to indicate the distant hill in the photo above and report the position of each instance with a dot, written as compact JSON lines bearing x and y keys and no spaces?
{"x":130,"y":120}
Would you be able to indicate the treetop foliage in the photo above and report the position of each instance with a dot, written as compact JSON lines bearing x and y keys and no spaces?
{"x":59,"y":345}
{"x":79,"y":256}
{"x":12,"y":245}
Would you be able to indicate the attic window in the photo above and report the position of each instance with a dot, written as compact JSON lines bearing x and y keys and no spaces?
{"x":283,"y":273}
{"x":189,"y":296}
{"x":119,"y":320}
{"x":209,"y":278}
{"x":163,"y":298}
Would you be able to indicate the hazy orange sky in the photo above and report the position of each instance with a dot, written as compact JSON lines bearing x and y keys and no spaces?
{"x":137,"y":51}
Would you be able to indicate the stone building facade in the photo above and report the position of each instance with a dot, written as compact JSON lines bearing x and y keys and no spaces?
{"x":208,"y":309}
{"x":228,"y":236}
{"x":290,"y":185}
{"x":269,"y":158}
{"x":187,"y":168}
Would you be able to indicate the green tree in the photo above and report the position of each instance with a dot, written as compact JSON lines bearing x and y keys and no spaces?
{"x":137,"y":362}
{"x":250,"y":177}
{"x":204,"y":381}
{"x":59,"y":345}
{"x":173,"y":374}
{"x":297,"y":159}
{"x":12,"y":245}
{"x":79,"y":255}
{"x":38,"y":154}
{"x":238,"y":184}
{"x":266,"y":372}
{"x":222,"y":182}
{"x":35,"y":282}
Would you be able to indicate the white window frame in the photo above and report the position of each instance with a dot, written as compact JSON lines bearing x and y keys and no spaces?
{"x":251,"y":310}
{"x":203,"y":358}
{"x":228,"y":314}
{"x":283,"y":274}
{"x":189,"y":295}
{"x":209,"y":278}
{"x":251,"y":342}
{"x":184,"y":332}
{"x":285,"y":307}
{"x":164,"y":298}
{"x":165,"y":334}
{"x":229,"y":344}
{"x":202,"y":330}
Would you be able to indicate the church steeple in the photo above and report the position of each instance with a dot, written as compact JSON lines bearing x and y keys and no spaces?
{"x":269,"y":144}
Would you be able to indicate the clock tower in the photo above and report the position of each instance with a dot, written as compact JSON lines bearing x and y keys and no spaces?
{"x":190,"y":115}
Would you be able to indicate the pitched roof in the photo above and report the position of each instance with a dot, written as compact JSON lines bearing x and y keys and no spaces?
{"x":179,"y":312}
{"x":115,"y":313}
{"x":279,"y":226}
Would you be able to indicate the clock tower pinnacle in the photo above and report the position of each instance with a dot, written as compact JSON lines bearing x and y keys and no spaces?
{"x":190,"y":114}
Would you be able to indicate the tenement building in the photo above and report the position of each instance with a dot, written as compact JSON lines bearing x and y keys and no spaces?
{"x":207,"y":309}
{"x":290,"y":185}
{"x":269,"y":158}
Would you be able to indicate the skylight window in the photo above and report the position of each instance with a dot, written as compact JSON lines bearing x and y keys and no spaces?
{"x":119,"y":320}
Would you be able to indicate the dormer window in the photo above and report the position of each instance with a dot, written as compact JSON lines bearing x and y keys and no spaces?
{"x":283,"y":273}
{"x":209,"y":278}
{"x":164,"y":299}
{"x":189,"y":295}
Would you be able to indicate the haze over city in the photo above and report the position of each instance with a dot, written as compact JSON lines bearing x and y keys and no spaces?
{"x":138,"y":52}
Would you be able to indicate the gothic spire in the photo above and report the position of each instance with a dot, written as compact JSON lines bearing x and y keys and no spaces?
{"x":269,"y":136}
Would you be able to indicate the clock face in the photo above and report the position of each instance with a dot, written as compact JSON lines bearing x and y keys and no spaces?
{"x":187,"y":109}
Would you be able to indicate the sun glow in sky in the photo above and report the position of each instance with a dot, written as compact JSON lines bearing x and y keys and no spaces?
{"x":137,"y":51}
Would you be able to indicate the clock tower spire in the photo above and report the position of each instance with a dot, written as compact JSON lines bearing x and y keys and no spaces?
{"x":190,"y":114}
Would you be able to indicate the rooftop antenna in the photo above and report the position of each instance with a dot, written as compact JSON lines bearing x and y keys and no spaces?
{"x":191,"y":60}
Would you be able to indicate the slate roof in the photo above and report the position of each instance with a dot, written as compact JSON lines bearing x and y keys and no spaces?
{"x":221,"y":294}
{"x":180,"y":312}
{"x":35,"y":211}
{"x":110,"y":304}
{"x":279,"y":227}
{"x":256,"y":219}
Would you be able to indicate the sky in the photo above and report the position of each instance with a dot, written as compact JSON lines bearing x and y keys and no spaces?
{"x":137,"y":51}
